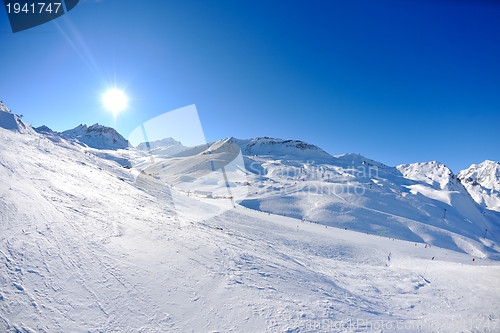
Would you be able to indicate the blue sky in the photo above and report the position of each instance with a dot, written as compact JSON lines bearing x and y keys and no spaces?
{"x":397,"y":81}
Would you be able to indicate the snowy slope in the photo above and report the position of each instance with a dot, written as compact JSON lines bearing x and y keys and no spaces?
{"x":85,"y":248}
{"x":214,"y":171}
{"x":12,"y":122}
{"x":422,"y":202}
{"x":483,"y":183}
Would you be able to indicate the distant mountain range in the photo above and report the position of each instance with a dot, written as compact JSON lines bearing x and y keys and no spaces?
{"x":421,"y":202}
{"x":95,"y":136}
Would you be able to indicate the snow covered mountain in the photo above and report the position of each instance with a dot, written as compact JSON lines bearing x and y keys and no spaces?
{"x":165,"y":147}
{"x":280,"y":148}
{"x":421,"y":202}
{"x":482,"y":181}
{"x":435,"y":174}
{"x":97,"y":136}
{"x":44,"y":130}
{"x":13,"y":122}
{"x":94,"y":242}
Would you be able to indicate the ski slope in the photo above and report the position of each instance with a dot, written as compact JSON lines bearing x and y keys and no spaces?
{"x":422,"y":202}
{"x":86,"y":247}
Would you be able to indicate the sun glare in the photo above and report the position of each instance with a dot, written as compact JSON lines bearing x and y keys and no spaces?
{"x":115,"y":100}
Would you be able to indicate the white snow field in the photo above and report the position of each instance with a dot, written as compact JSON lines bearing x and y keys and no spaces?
{"x":87,"y":245}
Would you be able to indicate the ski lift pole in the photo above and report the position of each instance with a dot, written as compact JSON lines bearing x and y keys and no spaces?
{"x":228,"y":186}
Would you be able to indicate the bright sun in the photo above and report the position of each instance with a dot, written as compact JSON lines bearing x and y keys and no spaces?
{"x":115,"y":100}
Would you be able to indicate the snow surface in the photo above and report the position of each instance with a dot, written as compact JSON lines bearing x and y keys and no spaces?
{"x":87,"y":245}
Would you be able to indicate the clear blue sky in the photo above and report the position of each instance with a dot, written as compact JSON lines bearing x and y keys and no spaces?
{"x":397,"y":81}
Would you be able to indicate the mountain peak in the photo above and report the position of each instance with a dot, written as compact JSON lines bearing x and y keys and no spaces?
{"x":13,"y":122}
{"x":44,"y":130}
{"x":99,"y":128}
{"x":97,"y":136}
{"x":486,"y":174}
{"x":166,"y":142}
{"x":164,"y":147}
{"x":4,"y":108}
{"x":433,"y":173}
{"x":483,"y":183}
{"x":279,"y":147}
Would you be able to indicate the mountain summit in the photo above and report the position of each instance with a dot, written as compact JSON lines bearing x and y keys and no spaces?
{"x":280,"y":148}
{"x":97,"y":136}
{"x":13,"y":122}
{"x":482,"y":181}
{"x":435,"y":174}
